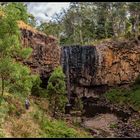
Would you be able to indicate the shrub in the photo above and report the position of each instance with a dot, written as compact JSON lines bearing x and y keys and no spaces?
{"x":59,"y":129}
{"x":125,"y":97}
{"x":134,"y":99}
{"x":113,"y":95}
{"x":24,"y":128}
{"x":36,"y":89}
{"x":15,"y":106}
{"x":56,"y":91}
{"x":113,"y":125}
{"x":137,"y":81}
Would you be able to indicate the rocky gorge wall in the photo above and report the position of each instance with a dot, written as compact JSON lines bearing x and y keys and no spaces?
{"x":92,"y":69}
{"x":45,"y":51}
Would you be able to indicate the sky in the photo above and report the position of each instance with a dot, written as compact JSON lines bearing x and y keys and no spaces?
{"x":43,"y":11}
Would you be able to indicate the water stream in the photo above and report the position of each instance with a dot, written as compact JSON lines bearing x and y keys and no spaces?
{"x":67,"y":72}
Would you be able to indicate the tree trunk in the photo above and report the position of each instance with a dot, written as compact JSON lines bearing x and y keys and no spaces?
{"x":2,"y":85}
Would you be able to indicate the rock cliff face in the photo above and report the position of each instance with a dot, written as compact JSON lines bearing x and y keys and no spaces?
{"x":89,"y":69}
{"x":46,"y":53}
{"x":92,"y":69}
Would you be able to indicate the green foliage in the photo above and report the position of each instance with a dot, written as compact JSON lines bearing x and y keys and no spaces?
{"x":51,"y":28}
{"x":113,"y":125}
{"x":56,"y":90}
{"x":137,"y":81}
{"x":13,"y":74}
{"x":36,"y":89}
{"x":115,"y":95}
{"x":128,"y":29}
{"x":25,"y":53}
{"x":56,"y":82}
{"x":56,"y":128}
{"x":2,"y":135}
{"x":20,"y":79}
{"x":86,"y":22}
{"x":125,"y":97}
{"x":3,"y":112}
{"x":137,"y":123}
{"x":6,"y":67}
{"x":134,"y":99}
{"x":15,"y":105}
{"x":78,"y":104}
{"x":17,"y":10}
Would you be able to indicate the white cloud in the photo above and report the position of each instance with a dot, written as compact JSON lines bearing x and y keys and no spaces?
{"x":45,"y":10}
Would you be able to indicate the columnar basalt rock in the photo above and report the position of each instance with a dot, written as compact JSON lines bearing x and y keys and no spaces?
{"x":120,"y":63}
{"x":46,"y":52}
{"x":92,"y":69}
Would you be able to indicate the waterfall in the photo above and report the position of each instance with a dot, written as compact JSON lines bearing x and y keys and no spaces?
{"x":67,"y":72}
{"x":80,"y":67}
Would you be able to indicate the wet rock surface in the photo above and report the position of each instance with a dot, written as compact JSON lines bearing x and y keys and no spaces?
{"x":93,"y":69}
{"x":109,"y":120}
{"x":95,"y":106}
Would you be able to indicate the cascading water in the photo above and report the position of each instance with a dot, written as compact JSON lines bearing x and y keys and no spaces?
{"x":65,"y":66}
{"x":67,"y":73}
{"x":79,"y":65}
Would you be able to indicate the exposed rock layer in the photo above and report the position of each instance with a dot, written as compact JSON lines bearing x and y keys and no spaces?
{"x":92,"y":69}
{"x":46,"y":53}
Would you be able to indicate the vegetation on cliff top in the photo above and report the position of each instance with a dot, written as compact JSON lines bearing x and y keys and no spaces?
{"x":83,"y":23}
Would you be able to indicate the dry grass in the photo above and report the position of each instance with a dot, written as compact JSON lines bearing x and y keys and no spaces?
{"x":41,"y":102}
{"x":23,"y":25}
{"x":16,"y":107}
{"x":19,"y":122}
{"x":23,"y":127}
{"x":36,"y":122}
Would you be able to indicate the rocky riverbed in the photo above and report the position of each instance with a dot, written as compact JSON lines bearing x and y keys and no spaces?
{"x":106,"y":120}
{"x":100,"y":125}
{"x":109,"y":125}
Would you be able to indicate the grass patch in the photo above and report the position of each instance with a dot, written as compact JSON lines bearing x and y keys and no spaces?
{"x":35,"y":123}
{"x":52,"y":128}
{"x":119,"y":96}
{"x":15,"y":105}
{"x":113,"y":125}
{"x":130,"y":98}
{"x":59,"y":129}
{"x":24,"y":128}
{"x":134,"y":98}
